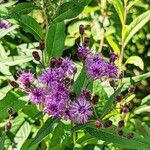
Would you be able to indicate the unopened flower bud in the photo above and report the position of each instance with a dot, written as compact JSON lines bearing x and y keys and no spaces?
{"x":112,"y":83}
{"x":125,"y":109}
{"x":56,"y":62}
{"x":36,"y":55}
{"x":131,"y":89}
{"x":41,"y":45}
{"x":120,"y":123}
{"x":98,"y":124}
{"x":130,"y":135}
{"x":120,"y":132}
{"x":10,"y":110}
{"x":108,"y":124}
{"x":86,"y":94}
{"x":95,"y":99}
{"x":121,"y":75}
{"x":129,"y":105}
{"x":81,"y":29}
{"x":14,"y":84}
{"x":86,"y":42}
{"x":119,"y":97}
{"x":8,"y":126}
{"x":72,"y":95}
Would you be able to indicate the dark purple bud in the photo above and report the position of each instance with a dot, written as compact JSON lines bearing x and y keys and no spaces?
{"x":130,"y":135}
{"x":112,"y":83}
{"x":120,"y":132}
{"x":108,"y":123}
{"x":87,"y":94}
{"x":125,"y":109}
{"x":72,"y":81}
{"x":72,"y":96}
{"x":131,"y":89}
{"x":67,"y":81}
{"x":81,"y":29}
{"x":8,"y":126}
{"x":121,"y":124}
{"x":36,"y":55}
{"x":121,"y":75}
{"x":41,"y":45}
{"x":14,"y":84}
{"x":95,"y":99}
{"x":56,"y":62}
{"x":10,"y":110}
{"x":129,"y":105}
{"x":98,"y":124}
{"x":119,"y":97}
{"x":86,"y":42}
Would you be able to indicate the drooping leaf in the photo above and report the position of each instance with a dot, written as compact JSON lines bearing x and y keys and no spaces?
{"x":135,"y":60}
{"x":113,"y":45}
{"x":136,"y":25}
{"x":55,"y":40}
{"x":142,"y":109}
{"x":132,"y":80}
{"x":10,"y":100}
{"x":22,"y":9}
{"x":119,"y":9}
{"x":110,"y":136}
{"x":70,"y":10}
{"x":30,"y":25}
{"x":43,"y":131}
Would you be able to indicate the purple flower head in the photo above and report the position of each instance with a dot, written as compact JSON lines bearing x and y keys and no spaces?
{"x":37,"y":95}
{"x":113,"y":57}
{"x":68,"y":66}
{"x":25,"y":79}
{"x":80,"y":110}
{"x":82,"y":52}
{"x":4,"y":24}
{"x":111,"y":71}
{"x":50,"y":75}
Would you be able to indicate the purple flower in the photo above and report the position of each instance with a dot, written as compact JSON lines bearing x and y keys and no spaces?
{"x":111,"y":70}
{"x":50,"y":75}
{"x":68,"y":66}
{"x":82,"y":52}
{"x":4,"y":24}
{"x":113,"y":57}
{"x":80,"y":110}
{"x":37,"y":95}
{"x":25,"y":79}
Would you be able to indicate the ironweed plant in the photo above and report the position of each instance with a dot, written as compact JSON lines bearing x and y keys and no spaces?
{"x":65,"y":85}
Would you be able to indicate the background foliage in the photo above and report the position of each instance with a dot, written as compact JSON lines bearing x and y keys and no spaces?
{"x":56,"y":22}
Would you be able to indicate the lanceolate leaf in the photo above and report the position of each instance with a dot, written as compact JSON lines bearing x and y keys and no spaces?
{"x":132,"y":80}
{"x":32,"y":26}
{"x":70,"y":10}
{"x":113,"y":45}
{"x":22,"y":9}
{"x":110,"y":136}
{"x":44,"y":131}
{"x":136,"y":25}
{"x":119,"y":9}
{"x":55,"y":40}
{"x":110,"y":101}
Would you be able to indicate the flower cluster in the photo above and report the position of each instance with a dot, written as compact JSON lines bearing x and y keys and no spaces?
{"x":4,"y":24}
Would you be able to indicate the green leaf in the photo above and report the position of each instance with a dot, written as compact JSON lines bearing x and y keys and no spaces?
{"x":55,"y":40}
{"x":4,"y":32}
{"x":2,"y":141}
{"x":146,"y":100}
{"x":78,"y":85}
{"x":30,"y":25}
{"x":136,"y":25}
{"x":142,"y":109}
{"x":22,"y":9}
{"x":113,"y":45}
{"x":131,"y":3}
{"x":119,"y":9}
{"x":132,"y":80}
{"x":110,"y":101}
{"x":70,"y":10}
{"x":110,"y":136}
{"x":10,"y":100}
{"x":44,"y":131}
{"x":135,"y":60}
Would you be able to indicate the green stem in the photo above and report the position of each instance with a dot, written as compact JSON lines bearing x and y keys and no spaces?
{"x":73,"y":133}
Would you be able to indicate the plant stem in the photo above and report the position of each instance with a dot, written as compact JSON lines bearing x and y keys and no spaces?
{"x":74,"y":133}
